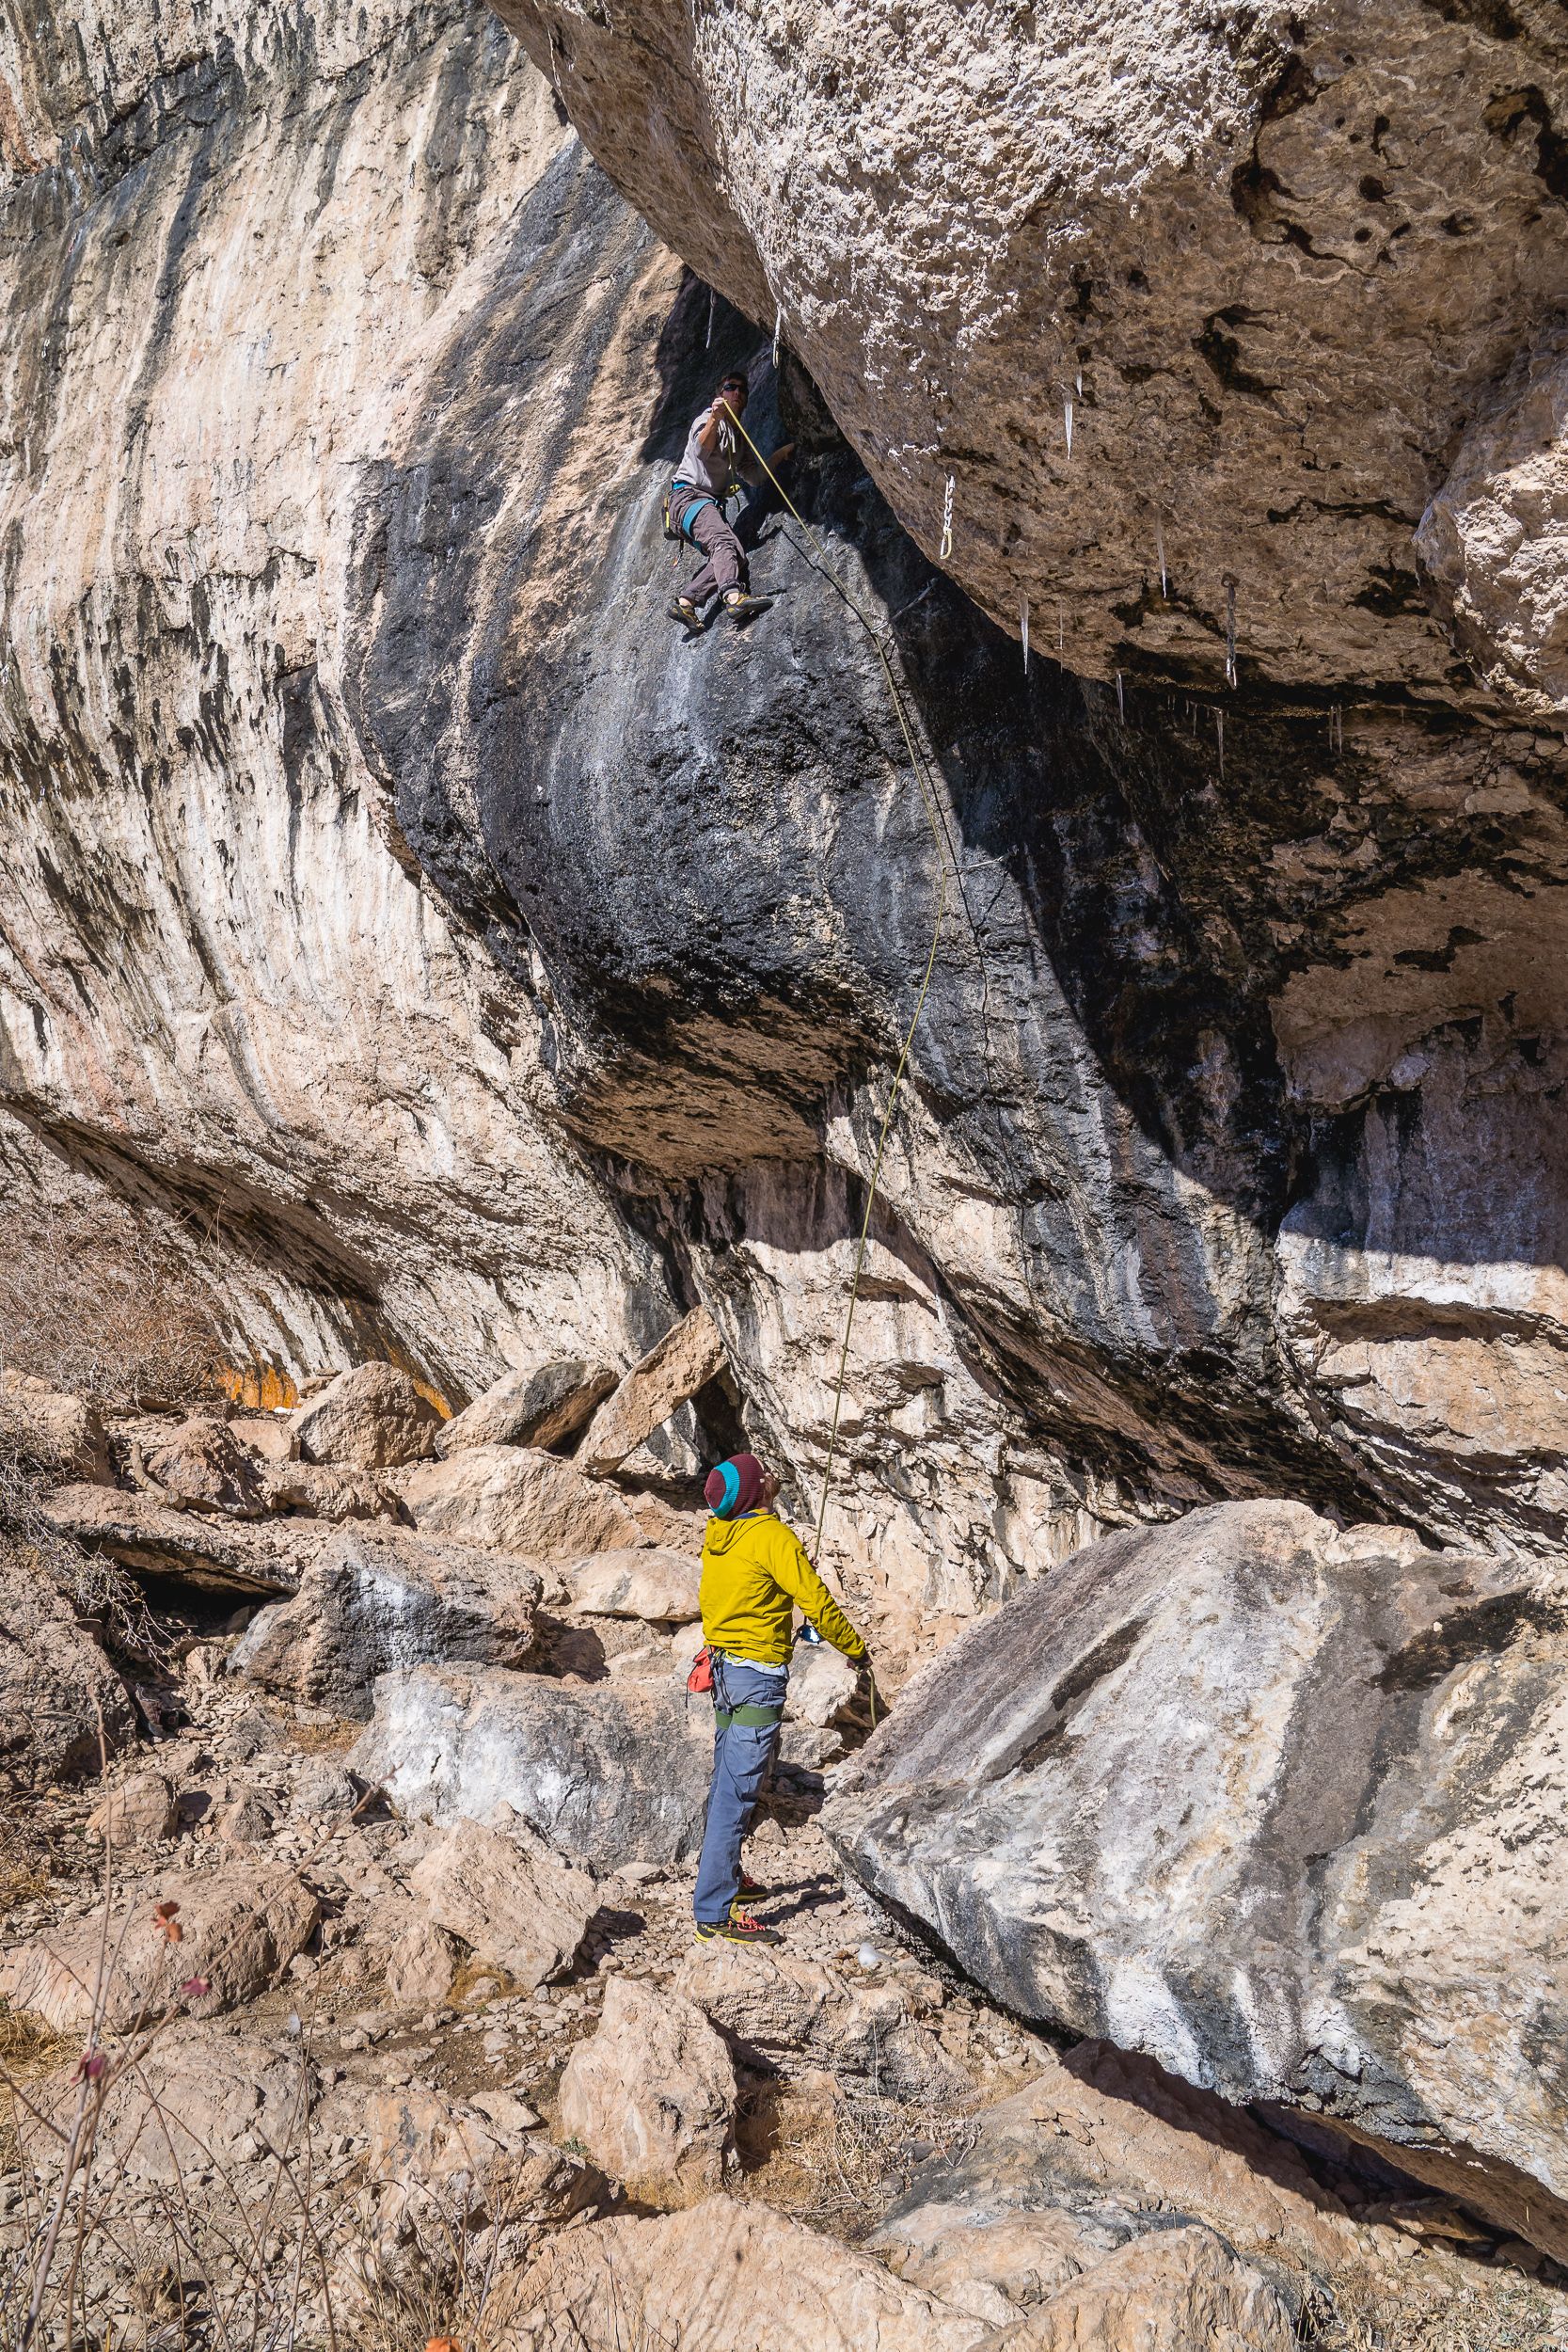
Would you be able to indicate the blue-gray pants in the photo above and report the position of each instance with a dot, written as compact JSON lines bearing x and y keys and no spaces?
{"x":747,"y":1708}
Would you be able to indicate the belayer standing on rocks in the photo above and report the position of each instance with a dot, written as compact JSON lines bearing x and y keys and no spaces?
{"x":716,"y":461}
{"x":754,"y":1572}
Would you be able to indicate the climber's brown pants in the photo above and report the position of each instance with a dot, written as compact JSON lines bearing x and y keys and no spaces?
{"x":725,"y":568}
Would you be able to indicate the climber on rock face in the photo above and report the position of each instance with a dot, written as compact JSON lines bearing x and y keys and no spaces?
{"x":716,"y":459}
{"x":754,"y":1572}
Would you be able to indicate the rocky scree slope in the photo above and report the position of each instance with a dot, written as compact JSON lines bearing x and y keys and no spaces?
{"x":444,"y":1982}
{"x":493,"y":973}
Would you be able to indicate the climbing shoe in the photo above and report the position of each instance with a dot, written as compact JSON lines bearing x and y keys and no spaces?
{"x":746,"y":608}
{"x":682,"y":609}
{"x":740,"y":1927}
{"x":752,"y":1890}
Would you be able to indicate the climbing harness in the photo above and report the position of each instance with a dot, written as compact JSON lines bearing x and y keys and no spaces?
{"x":677,"y":509}
{"x":934,"y":821}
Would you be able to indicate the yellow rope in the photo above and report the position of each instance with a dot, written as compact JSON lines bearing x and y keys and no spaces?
{"x":932,"y":820}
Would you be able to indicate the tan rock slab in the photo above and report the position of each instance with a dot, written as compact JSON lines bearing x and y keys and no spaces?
{"x":206,"y":1549}
{"x":61,"y":1702}
{"x":722,"y":2277}
{"x":651,"y":2095}
{"x":1174,"y":2290}
{"x":776,"y":2003}
{"x":434,"y":2160}
{"x":371,"y":1417}
{"x":1099,"y":2137}
{"x":191,"y":2100}
{"x":655,"y":1583}
{"x":321,"y":1490}
{"x":239,"y":1929}
{"x":538,"y":1406}
{"x":142,"y":1811}
{"x":685,"y":1361}
{"x":65,"y":1431}
{"x":509,"y":1896}
{"x":521,"y":1500}
{"x":271,"y":1436}
{"x":202,"y":1467}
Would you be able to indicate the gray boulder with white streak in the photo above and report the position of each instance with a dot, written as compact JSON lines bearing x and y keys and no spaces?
{"x":368,"y":1604}
{"x":1280,"y":1806}
{"x":538,"y":1406}
{"x":607,"y":1776}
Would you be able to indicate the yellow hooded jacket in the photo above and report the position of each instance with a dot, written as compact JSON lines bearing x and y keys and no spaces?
{"x":753,"y":1572}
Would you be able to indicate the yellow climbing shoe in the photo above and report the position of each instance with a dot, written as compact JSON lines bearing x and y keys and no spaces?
{"x":740,"y":1927}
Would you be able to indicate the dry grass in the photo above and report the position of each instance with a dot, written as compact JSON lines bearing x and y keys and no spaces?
{"x":97,"y":1588}
{"x":837,"y":2159}
{"x":1497,"y":2314}
{"x":474,"y":1973}
{"x":334,"y":1739}
{"x":23,"y":1876}
{"x":97,"y":1302}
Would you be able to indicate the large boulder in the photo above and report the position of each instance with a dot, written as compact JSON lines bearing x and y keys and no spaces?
{"x":202,"y":1467}
{"x":371,"y":1418}
{"x":614,"y":1776}
{"x":509,"y":1896}
{"x":655,"y":1584}
{"x":61,"y":1703}
{"x":192,"y":2101}
{"x":1280,"y":1806}
{"x":368,"y":1603}
{"x":539,"y":1406}
{"x":1096,"y":2151}
{"x":651,"y":2096}
{"x":685,"y":1361}
{"x":722,"y":2277}
{"x":62,"y":1431}
{"x":197,"y":1942}
{"x":519,"y":1500}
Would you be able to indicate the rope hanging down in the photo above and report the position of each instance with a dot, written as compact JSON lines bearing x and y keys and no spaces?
{"x":932,"y":820}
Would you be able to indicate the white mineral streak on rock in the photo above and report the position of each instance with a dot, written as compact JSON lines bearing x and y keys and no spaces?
{"x":1279,"y":1806}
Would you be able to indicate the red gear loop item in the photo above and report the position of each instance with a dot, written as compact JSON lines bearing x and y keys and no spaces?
{"x":701,"y":1677}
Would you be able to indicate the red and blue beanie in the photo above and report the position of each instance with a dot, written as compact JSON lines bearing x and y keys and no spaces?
{"x":734,"y":1487}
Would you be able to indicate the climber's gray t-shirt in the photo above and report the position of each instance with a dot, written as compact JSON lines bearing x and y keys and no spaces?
{"x":713,"y":474}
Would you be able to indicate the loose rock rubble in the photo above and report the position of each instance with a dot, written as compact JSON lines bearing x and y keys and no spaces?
{"x":403,"y":2021}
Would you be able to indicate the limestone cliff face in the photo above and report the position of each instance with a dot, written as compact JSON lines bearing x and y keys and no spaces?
{"x":236,"y":244}
{"x":387,"y":879}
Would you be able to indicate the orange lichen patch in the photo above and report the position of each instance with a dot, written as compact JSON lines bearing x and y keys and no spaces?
{"x":260,"y":1387}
